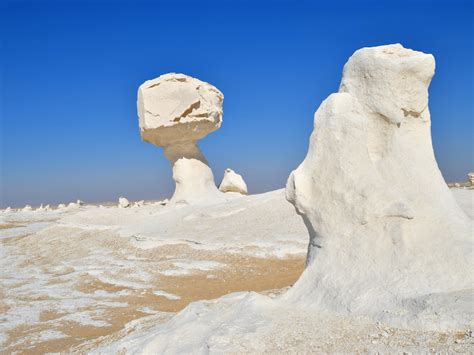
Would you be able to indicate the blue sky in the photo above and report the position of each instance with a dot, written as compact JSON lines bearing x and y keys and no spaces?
{"x":70,"y":72}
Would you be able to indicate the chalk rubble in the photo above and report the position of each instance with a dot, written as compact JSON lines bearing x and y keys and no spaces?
{"x":175,"y":111}
{"x":140,"y":203}
{"x":233,"y":182}
{"x":387,"y":238}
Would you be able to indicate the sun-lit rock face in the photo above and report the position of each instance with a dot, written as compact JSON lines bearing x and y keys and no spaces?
{"x":386,"y":236}
{"x":178,"y":108}
{"x":175,"y":111}
{"x":373,"y":75}
{"x":233,"y":182}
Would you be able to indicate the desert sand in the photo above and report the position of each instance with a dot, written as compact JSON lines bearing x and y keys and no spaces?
{"x":83,"y":278}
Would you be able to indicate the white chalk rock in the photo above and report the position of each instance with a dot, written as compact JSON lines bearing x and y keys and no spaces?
{"x":387,"y":238}
{"x":175,"y":111}
{"x":61,"y":206}
{"x":8,"y":209}
{"x":79,"y":202}
{"x":40,"y":208}
{"x":233,"y":182}
{"x":123,"y":202}
{"x":470,"y":178}
{"x":140,"y":203}
{"x":27,"y":208}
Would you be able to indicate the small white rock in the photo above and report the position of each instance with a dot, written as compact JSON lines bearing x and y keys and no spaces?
{"x":123,"y":202}
{"x":233,"y":182}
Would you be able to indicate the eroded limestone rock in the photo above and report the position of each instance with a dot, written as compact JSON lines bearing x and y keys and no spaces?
{"x":233,"y":182}
{"x":175,"y":111}
{"x":123,"y":202}
{"x":386,"y":237}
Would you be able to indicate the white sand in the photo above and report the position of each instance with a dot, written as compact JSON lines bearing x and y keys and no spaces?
{"x":41,"y":273}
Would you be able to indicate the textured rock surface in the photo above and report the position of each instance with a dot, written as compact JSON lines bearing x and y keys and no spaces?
{"x":233,"y":182}
{"x":387,"y":238}
{"x":175,"y":111}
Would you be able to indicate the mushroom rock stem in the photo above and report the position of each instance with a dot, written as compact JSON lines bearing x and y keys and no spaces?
{"x":191,"y":172}
{"x":186,"y":149}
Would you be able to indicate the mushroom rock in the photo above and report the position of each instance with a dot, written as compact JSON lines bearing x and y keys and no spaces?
{"x":175,"y":111}
{"x":123,"y":202}
{"x":61,"y":205}
{"x":387,"y":238}
{"x":27,"y":208}
{"x":233,"y":182}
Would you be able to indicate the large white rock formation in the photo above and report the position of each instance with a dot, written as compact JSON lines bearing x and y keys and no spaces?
{"x":387,"y":238}
{"x":233,"y":182}
{"x":175,"y":111}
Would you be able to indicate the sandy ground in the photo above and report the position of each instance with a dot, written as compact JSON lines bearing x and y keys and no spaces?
{"x":240,"y":273}
{"x":86,"y":278}
{"x":72,"y":276}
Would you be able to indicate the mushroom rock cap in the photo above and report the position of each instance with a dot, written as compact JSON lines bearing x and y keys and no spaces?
{"x":175,"y":108}
{"x":390,"y":80}
{"x":233,"y":182}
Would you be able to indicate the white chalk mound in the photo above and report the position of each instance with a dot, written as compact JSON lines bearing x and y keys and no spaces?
{"x":233,"y":182}
{"x":175,"y":111}
{"x":387,"y":238}
{"x":123,"y":202}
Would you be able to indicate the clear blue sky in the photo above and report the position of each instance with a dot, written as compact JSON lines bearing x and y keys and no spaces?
{"x":70,"y":72}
